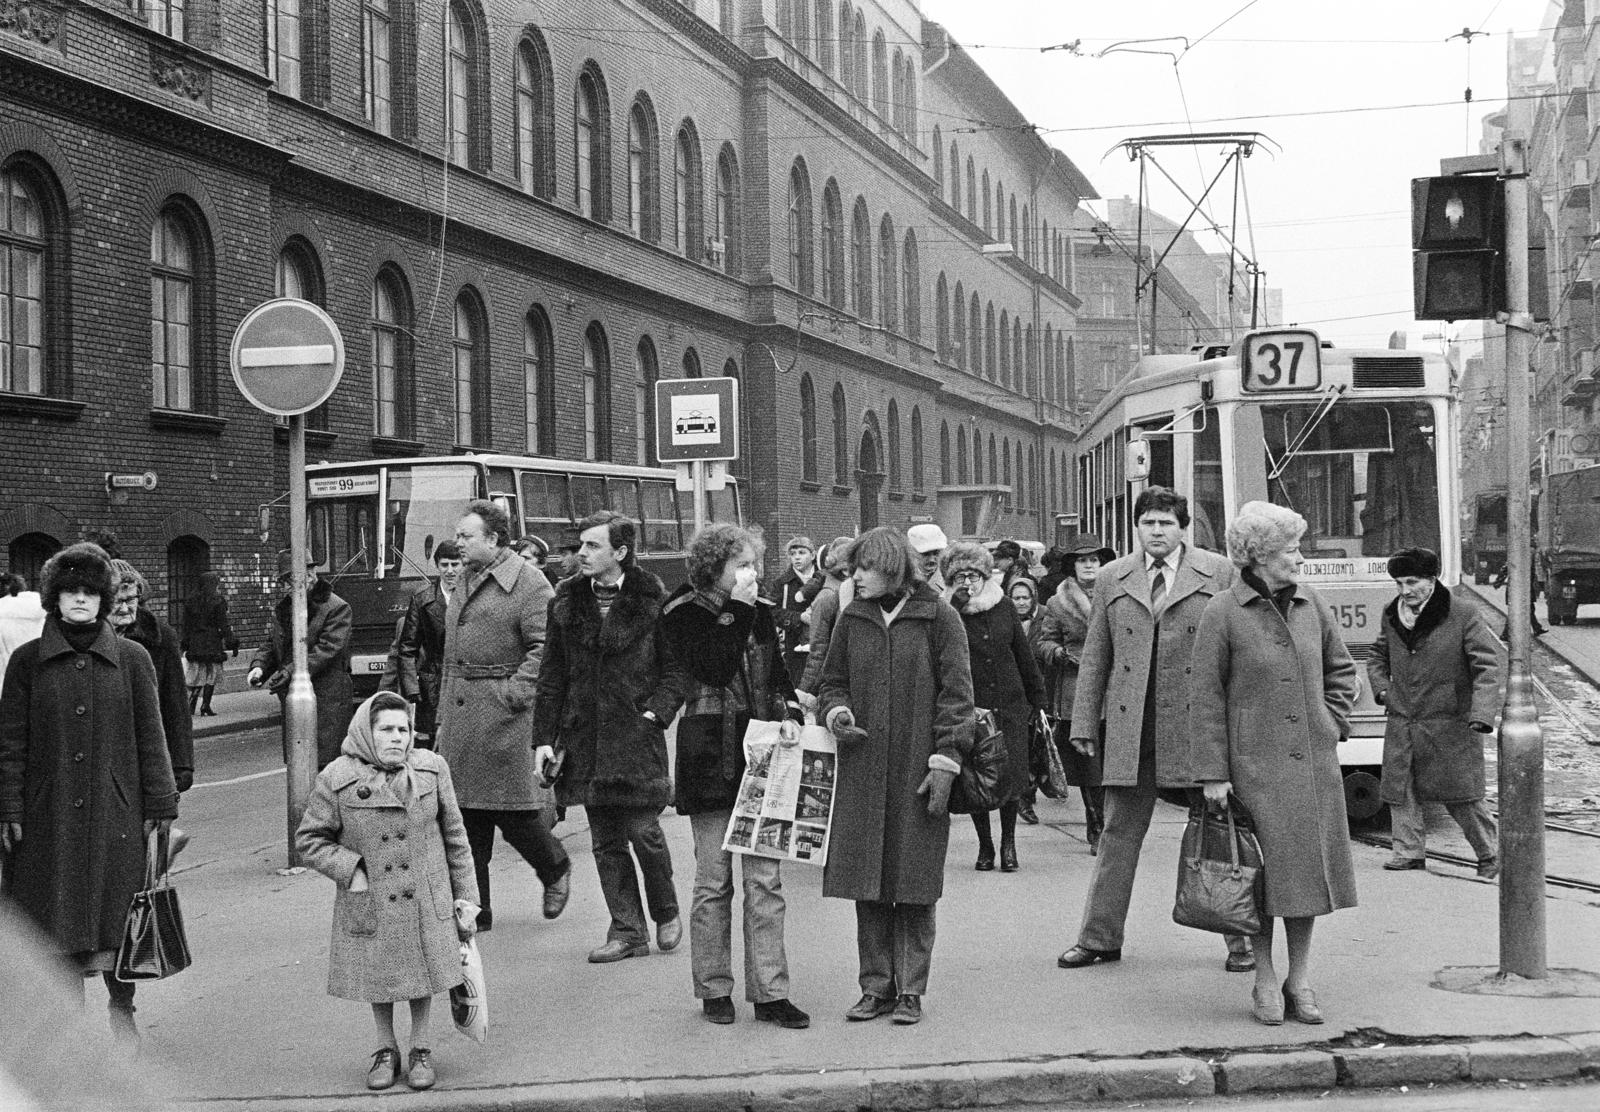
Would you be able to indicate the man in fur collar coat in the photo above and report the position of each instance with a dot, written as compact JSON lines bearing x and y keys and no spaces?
{"x":607,"y":692}
{"x":1437,"y":669}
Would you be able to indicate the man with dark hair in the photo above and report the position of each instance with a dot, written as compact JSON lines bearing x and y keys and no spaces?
{"x":607,"y":658}
{"x":494,"y":641}
{"x":1436,"y":668}
{"x":1133,"y":690}
{"x":419,"y":647}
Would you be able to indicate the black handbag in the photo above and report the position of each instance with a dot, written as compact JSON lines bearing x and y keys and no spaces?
{"x":1044,"y":759}
{"x":978,"y":786}
{"x":153,"y":942}
{"x":1220,"y":875}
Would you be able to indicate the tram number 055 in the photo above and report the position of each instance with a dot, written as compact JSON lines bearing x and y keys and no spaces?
{"x":1351,"y":615}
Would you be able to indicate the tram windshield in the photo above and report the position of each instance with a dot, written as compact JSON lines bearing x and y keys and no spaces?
{"x":1364,"y":475}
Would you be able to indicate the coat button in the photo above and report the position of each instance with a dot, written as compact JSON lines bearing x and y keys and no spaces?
{"x":77,"y":803}
{"x":77,"y":758}
{"x":401,"y":835}
{"x":81,"y":665}
{"x":405,"y":868}
{"x":461,"y":702}
{"x":1124,"y":710}
{"x":384,"y":838}
{"x":1298,"y":756}
{"x":388,"y":868}
{"x":80,"y":711}
{"x":363,"y":792}
{"x":1292,"y":717}
{"x":392,"y":897}
{"x":409,"y":893}
{"x":1127,"y":667}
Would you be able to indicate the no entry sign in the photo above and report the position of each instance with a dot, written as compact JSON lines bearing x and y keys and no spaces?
{"x":287,"y":356}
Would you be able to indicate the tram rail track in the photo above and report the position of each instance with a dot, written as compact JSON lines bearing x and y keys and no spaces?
{"x":1579,"y":884}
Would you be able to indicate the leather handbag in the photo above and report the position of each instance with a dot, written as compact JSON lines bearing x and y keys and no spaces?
{"x":978,"y":786}
{"x":153,"y":942}
{"x":1044,"y":759}
{"x":1220,"y":876}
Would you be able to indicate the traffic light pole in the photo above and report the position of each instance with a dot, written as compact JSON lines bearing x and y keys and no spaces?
{"x":1521,"y":765}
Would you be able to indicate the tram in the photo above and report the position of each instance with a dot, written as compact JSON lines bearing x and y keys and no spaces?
{"x":1361,"y":443}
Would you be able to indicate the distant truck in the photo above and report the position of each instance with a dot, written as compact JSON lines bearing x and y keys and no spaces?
{"x":1488,"y":535}
{"x":1569,"y":542}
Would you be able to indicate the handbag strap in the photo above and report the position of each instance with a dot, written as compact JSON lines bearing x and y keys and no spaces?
{"x":155,"y":856}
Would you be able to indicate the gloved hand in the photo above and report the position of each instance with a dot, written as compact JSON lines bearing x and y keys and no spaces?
{"x":184,"y":778}
{"x":789,"y":733}
{"x":842,"y":724}
{"x":1084,"y":745}
{"x":936,"y":786}
{"x":1216,"y":793}
{"x":151,"y":825}
{"x":10,"y":835}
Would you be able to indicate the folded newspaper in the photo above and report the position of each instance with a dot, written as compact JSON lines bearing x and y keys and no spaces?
{"x":785,"y":801}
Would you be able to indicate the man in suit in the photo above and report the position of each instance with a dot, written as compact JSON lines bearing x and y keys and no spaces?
{"x":1133,"y":681}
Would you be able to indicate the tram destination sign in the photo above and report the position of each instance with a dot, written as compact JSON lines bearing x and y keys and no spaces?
{"x":1285,"y":359}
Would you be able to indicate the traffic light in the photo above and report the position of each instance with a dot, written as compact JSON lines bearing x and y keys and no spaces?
{"x":1458,"y":240}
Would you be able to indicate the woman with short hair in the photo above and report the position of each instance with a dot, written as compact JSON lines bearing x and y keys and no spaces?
{"x":1272,"y":689}
{"x":207,"y":639}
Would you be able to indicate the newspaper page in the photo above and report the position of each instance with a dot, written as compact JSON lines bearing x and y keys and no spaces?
{"x":785,"y":801}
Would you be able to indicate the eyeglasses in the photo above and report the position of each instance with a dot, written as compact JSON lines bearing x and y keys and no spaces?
{"x":121,"y":601}
{"x":968,"y":577}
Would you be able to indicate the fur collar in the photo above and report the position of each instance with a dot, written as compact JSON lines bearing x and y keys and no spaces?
{"x":1434,"y":613}
{"x":1071,"y":596}
{"x":633,"y":615}
{"x":987,"y":598}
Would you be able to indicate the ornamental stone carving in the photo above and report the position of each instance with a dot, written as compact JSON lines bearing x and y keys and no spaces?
{"x":178,"y":75}
{"x":39,"y":20}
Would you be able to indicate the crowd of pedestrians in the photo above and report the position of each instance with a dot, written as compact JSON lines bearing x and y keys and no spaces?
{"x":1168,"y":671}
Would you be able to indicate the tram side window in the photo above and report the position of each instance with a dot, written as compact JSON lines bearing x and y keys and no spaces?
{"x":425,"y":502}
{"x":660,"y":513}
{"x":544,"y":509}
{"x":1207,"y":511}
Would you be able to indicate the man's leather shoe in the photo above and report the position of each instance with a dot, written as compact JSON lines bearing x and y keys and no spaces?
{"x":1027,"y":814}
{"x":870,"y":1007}
{"x":616,"y":949}
{"x":985,"y":860}
{"x":556,"y":893}
{"x":907,"y":1010}
{"x":718,"y":1009}
{"x":1397,"y":864}
{"x":1080,"y":956}
{"x":783,"y":1013}
{"x":1240,"y":963}
{"x":419,"y":1068}
{"x":669,"y":934}
{"x":385,"y":1068}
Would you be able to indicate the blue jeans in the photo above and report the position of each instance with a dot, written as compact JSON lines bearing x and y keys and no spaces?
{"x":614,"y":831}
{"x":766,"y":966}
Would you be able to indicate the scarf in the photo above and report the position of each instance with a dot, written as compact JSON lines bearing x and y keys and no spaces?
{"x":80,"y":635}
{"x":360,"y":744}
{"x":1281,"y":599}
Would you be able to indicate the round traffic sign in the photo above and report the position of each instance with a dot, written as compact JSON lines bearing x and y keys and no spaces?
{"x":287,"y":356}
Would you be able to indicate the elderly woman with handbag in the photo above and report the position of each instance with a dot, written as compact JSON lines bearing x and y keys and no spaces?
{"x":1272,"y":689}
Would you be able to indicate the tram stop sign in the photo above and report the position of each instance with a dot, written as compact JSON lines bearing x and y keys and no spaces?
{"x":287,"y":356}
{"x":697,"y":419}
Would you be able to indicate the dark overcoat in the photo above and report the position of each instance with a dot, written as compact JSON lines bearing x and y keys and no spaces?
{"x":161,"y":642}
{"x":1435,"y":681}
{"x":1005,"y":678}
{"x":740,"y":655}
{"x":794,"y":597}
{"x":599,"y":678}
{"x":419,"y":650}
{"x":328,"y":624}
{"x":1064,"y":624}
{"x":1270,"y":702}
{"x":207,"y":637}
{"x":493,"y":649}
{"x":908,"y":682}
{"x":397,"y":940}
{"x":1115,"y":672}
{"x":83,"y":762}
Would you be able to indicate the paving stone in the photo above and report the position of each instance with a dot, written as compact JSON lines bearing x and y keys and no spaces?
{"x":831,"y":1091}
{"x":1007,"y":1083}
{"x":1587,"y":1046}
{"x":1294,"y":1069}
{"x":907,"y":1090}
{"x":1155,"y":1078}
{"x":1375,"y":1067}
{"x":693,"y":1094}
{"x":1523,"y":1059}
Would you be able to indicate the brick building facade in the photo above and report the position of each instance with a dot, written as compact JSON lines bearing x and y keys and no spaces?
{"x":517,"y":225}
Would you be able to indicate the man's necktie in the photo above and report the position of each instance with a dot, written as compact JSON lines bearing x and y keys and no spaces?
{"x":1158,"y":582}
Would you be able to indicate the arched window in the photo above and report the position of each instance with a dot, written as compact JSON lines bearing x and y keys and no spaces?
{"x":1005,"y":474}
{"x":909,"y":108}
{"x":808,"y":430}
{"x":975,"y":335}
{"x":801,"y":33}
{"x":535,"y":125}
{"x":862,"y":74}
{"x":892,"y":445}
{"x":880,"y":76}
{"x":833,"y":285}
{"x":1066,"y":368}
{"x":1049,"y":350}
{"x":1030,"y":382}
{"x":977,"y":456}
{"x":938,"y":161}
{"x":1017,"y":234}
{"x":972,"y":192}
{"x":1033,"y":477}
{"x":800,"y":228}
{"x":962,"y":470}
{"x":538,"y":384}
{"x":897,"y":89}
{"x":28,"y":264}
{"x":888,"y":280}
{"x":592,"y":145}
{"x":299,"y":275}
{"x":1054,"y":501}
{"x":944,"y":453}
{"x":1015,"y":382}
{"x":990,"y":346}
{"x":841,"y":438}
{"x":390,"y":332}
{"x":470,"y":361}
{"x":823,"y":24}
{"x":916,"y":450}
{"x":1005,"y":349}
{"x":688,"y":202}
{"x":596,"y":394}
{"x":993,"y":459}
{"x":1027,"y":236}
{"x":988,"y":213}
{"x":691,"y":363}
{"x":644,"y":161}
{"x":941,"y":319}
{"x":955,"y":176}
{"x":645,"y":372}
{"x":1000,"y":212}
{"x":188,"y":557}
{"x":847,"y":47}
{"x":730,"y":369}
{"x":861,"y":261}
{"x":958,"y":320}
{"x":725,"y":247}
{"x":467,"y":89}
{"x":911,"y":287}
{"x":378,"y":63}
{"x":180,"y":304}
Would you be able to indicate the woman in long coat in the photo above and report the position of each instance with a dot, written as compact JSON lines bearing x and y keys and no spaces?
{"x":207,"y":639}
{"x":1063,"y":628}
{"x":897,"y":693}
{"x":84,"y":771}
{"x":1005,"y":679}
{"x":1272,"y":689}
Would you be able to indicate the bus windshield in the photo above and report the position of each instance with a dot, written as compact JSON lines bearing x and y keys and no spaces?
{"x":425,"y":502}
{"x":1363,"y":474}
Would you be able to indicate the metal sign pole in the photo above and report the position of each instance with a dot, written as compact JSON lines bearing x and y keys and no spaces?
{"x":698,"y":468}
{"x":300,"y":705}
{"x":1521,"y":765}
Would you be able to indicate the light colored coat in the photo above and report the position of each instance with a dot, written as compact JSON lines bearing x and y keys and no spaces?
{"x":1450,"y":676}
{"x":1270,"y":703}
{"x":909,"y":686}
{"x":397,"y":940}
{"x":493,"y":647}
{"x":1115,"y":672}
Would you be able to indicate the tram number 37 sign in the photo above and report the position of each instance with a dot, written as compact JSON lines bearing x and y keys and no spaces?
{"x":1282,"y":360}
{"x":697,"y":419}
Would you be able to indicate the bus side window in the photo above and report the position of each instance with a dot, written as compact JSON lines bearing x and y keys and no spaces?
{"x":588,"y":495}
{"x":660,"y":516}
{"x":622,"y":495}
{"x":544,"y":508}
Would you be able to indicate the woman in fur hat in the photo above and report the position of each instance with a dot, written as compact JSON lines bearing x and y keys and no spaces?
{"x":80,"y":712}
{"x":1005,"y":679}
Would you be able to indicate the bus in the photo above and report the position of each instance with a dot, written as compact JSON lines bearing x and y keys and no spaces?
{"x":1361,"y":443}
{"x":373,"y":525}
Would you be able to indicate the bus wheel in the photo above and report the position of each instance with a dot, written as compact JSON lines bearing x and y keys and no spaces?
{"x":1361,"y":801}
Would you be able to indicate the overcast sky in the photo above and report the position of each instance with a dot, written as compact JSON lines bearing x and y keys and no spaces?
{"x":1330,"y":209}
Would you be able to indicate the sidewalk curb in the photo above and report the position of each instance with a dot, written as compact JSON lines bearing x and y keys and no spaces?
{"x":988,"y":1084}
{"x":236,"y":726}
{"x":1550,"y":647}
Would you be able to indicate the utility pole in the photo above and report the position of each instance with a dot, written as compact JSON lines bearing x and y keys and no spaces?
{"x":1521,"y":765}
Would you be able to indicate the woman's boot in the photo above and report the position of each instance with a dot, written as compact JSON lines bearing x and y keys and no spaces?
{"x":1008,"y":838}
{"x":980,"y":823}
{"x":194,"y":701}
{"x":205,"y":701}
